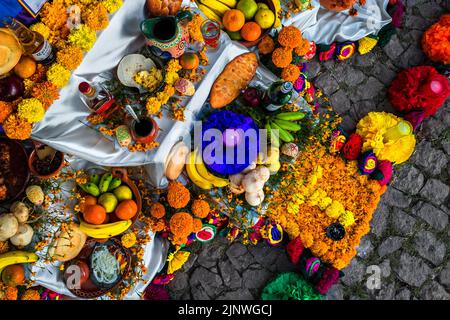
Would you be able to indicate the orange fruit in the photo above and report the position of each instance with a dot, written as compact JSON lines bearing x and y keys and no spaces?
{"x":126,"y":210}
{"x":189,"y":61}
{"x":233,"y":20}
{"x":94,"y":214}
{"x":25,"y":68}
{"x":13,"y":275}
{"x":251,"y":31}
{"x":87,"y":201}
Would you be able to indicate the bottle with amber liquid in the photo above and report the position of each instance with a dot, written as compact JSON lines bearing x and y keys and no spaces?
{"x":33,"y":43}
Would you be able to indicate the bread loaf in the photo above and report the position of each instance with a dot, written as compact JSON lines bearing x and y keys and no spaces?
{"x":163,"y":7}
{"x":10,"y":51}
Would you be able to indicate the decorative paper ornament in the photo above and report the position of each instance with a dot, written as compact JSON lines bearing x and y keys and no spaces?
{"x":300,"y":84}
{"x":290,"y":149}
{"x":206,"y":234}
{"x":295,"y":250}
{"x":383,"y":174}
{"x":368,"y":163}
{"x":274,"y":234}
{"x":338,"y":139}
{"x":329,"y":278}
{"x":312,"y":265}
{"x":345,"y":50}
{"x":311,"y":52}
{"x":352,"y":147}
{"x":326,"y":51}
{"x":366,"y":44}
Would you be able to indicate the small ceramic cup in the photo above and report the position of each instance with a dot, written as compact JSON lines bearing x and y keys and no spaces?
{"x":145,"y":131}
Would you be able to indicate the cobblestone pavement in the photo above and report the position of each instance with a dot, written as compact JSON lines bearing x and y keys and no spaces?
{"x":409,"y":238}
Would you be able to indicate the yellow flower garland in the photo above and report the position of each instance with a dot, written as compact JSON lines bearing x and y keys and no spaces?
{"x":82,"y":37}
{"x":58,"y":75}
{"x":31,"y":110}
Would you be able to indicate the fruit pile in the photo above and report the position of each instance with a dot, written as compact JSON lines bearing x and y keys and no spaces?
{"x":108,"y":206}
{"x":243,"y":20}
{"x":199,"y":174}
{"x":285,"y":123}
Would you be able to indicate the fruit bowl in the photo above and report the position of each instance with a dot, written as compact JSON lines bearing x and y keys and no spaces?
{"x":264,"y":32}
{"x":89,"y":288}
{"x":119,"y":173}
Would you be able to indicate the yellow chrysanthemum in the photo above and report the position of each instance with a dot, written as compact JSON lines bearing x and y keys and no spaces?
{"x":335,"y":209}
{"x":70,"y":57}
{"x":58,"y":75}
{"x":372,"y":129}
{"x":347,"y":218}
{"x":112,"y":5}
{"x":128,"y":240}
{"x":83,"y":37}
{"x":31,"y":110}
{"x":42,"y":29}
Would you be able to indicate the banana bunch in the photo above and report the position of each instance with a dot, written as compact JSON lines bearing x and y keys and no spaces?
{"x":215,"y":9}
{"x":15,"y":257}
{"x":199,"y":174}
{"x":285,"y":123}
{"x":100,"y":184}
{"x":278,"y":12}
{"x":104,"y":231}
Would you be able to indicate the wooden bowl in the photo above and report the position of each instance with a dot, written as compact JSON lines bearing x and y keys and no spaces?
{"x":264,"y":32}
{"x":89,"y":290}
{"x":123,"y":175}
{"x":20,"y":174}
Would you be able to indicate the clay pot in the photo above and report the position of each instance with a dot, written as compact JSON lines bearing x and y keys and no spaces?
{"x":144,"y":136}
{"x":59,"y":156}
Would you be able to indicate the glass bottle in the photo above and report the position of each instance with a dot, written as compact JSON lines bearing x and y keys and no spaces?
{"x":33,"y":43}
{"x":277,"y":95}
{"x":95,"y":96}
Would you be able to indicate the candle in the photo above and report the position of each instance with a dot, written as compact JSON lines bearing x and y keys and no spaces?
{"x":231,"y":137}
{"x":401,"y":129}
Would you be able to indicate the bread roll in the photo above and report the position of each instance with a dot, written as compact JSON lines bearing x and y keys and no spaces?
{"x":10,"y":51}
{"x":176,"y":160}
{"x":67,"y":244}
{"x":163,"y":7}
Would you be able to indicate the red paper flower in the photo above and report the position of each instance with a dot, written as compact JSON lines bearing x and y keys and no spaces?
{"x":329,"y":278}
{"x":295,"y":250}
{"x":410,"y":90}
{"x":352,"y":147}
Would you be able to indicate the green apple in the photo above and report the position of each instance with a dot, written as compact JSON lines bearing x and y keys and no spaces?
{"x":236,"y":35}
{"x":262,"y":5}
{"x":108,"y":201}
{"x":265,"y":18}
{"x":123,"y":193}
{"x":248,"y":8}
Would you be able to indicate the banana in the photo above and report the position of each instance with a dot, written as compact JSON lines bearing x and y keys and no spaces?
{"x":90,"y":188}
{"x":204,"y":173}
{"x":193,"y":174}
{"x":209,"y":13}
{"x":274,"y":137}
{"x":284,"y":135}
{"x":218,"y":7}
{"x":278,"y":11}
{"x":287,"y":125}
{"x":115,"y":182}
{"x":290,"y":116}
{"x":104,"y":231}
{"x":94,"y":178}
{"x":15,"y":257}
{"x":104,"y":182}
{"x":229,"y":3}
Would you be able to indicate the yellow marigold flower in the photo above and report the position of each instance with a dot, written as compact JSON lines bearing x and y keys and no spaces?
{"x":195,"y":34}
{"x":31,"y":294}
{"x":54,"y":15}
{"x":46,"y":92}
{"x":128,"y":240}
{"x":112,"y":5}
{"x":83,"y":37}
{"x":70,"y":57}
{"x":177,"y":260}
{"x":31,"y":110}
{"x":150,"y":80}
{"x":58,"y":75}
{"x":96,"y":17}
{"x":347,"y":218}
{"x":335,"y":209}
{"x":42,"y":29}
{"x":324,"y":203}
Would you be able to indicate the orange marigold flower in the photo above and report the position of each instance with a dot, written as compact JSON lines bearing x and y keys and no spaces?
{"x":197,"y":225}
{"x":290,"y":73}
{"x":54,"y":15}
{"x":96,"y":17}
{"x":70,"y":57}
{"x":282,"y":57}
{"x":200,"y":208}
{"x":436,"y":40}
{"x":46,"y":92}
{"x":4,"y":246}
{"x":157,"y":210}
{"x":17,"y":128}
{"x":10,"y":293}
{"x":179,"y":239}
{"x":39,"y":74}
{"x":31,"y":294}
{"x":267,"y":45}
{"x":181,"y":223}
{"x":303,"y":47}
{"x":178,"y":196}
{"x":5,"y":110}
{"x":156,"y":225}
{"x":290,"y":37}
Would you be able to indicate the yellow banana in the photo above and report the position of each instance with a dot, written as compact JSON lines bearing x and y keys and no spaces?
{"x":229,"y":3}
{"x":278,"y":11}
{"x":203,"y":172}
{"x":195,"y":177}
{"x":15,"y":257}
{"x":210,"y":14}
{"x":104,"y":231}
{"x":218,"y":7}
